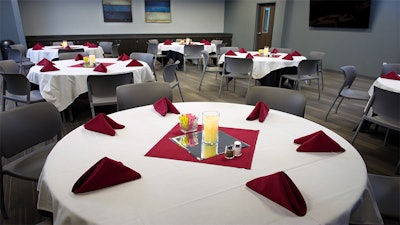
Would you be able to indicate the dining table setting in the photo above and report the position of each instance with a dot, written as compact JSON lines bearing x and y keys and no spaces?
{"x":201,"y":163}
{"x":389,"y":81}
{"x":61,"y":82}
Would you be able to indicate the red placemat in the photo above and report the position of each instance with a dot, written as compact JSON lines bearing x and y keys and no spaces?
{"x":167,"y":149}
{"x":80,"y":65}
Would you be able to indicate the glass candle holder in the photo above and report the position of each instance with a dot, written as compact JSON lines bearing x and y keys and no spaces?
{"x":210,"y":127}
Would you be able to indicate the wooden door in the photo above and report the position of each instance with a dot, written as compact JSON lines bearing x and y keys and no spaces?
{"x":265,"y":25}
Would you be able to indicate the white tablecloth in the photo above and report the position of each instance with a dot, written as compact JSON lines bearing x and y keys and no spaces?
{"x":181,"y":192}
{"x":51,"y":52}
{"x":262,"y":66}
{"x":385,"y":84}
{"x":177,"y":47}
{"x":62,"y":87}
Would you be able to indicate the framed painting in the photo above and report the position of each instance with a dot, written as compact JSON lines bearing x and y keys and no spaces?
{"x":157,"y":11}
{"x":117,"y":10}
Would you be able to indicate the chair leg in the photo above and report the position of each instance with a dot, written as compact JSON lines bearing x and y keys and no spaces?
{"x":333,"y":103}
{"x":339,"y":105}
{"x":220,"y":86}
{"x":201,"y":81}
{"x":357,"y":130}
{"x":386,"y":136}
{"x":2,"y":206}
{"x":92,"y":110}
{"x":3,"y":104}
{"x":180,"y":92}
{"x":319,"y":91}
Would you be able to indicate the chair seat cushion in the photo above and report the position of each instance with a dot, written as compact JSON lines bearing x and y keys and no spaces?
{"x":35,"y":97}
{"x":354,"y":94}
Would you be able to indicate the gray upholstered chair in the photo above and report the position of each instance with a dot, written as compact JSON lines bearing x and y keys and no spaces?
{"x":224,"y":49}
{"x":115,"y":50}
{"x":192,"y":52}
{"x":319,"y":56}
{"x":346,"y":91}
{"x":169,"y":75}
{"x":281,"y":99}
{"x":141,"y":94}
{"x":208,"y":68}
{"x":19,"y":57}
{"x":282,"y":50}
{"x":152,"y":47}
{"x":387,"y":67}
{"x":147,"y":58}
{"x":236,"y":68}
{"x":8,"y":66}
{"x":107,"y":48}
{"x":20,"y":129}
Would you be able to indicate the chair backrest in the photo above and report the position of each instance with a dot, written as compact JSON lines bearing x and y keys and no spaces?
{"x":22,"y":48}
{"x":106,"y":46}
{"x":8,"y":66}
{"x":350,"y":74}
{"x":238,"y":66}
{"x":216,"y":41}
{"x":386,"y":193}
{"x":105,"y":85}
{"x":206,"y":56}
{"x":145,"y":57}
{"x":388,"y":67}
{"x":169,"y":72}
{"x":308,"y":67}
{"x":28,"y":125}
{"x":16,"y":84}
{"x":153,"y":41}
{"x":152,"y":48}
{"x":70,"y":55}
{"x":285,"y":100}
{"x":282,"y":50}
{"x":115,"y":50}
{"x":386,"y":103}
{"x":140,"y":94}
{"x":225,"y":49}
{"x":193,"y":50}
{"x":14,"y":54}
{"x":317,"y":55}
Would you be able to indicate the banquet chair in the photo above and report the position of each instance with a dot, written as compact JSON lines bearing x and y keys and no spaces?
{"x":8,"y":66}
{"x":70,"y":55}
{"x":388,"y":67}
{"x":306,"y":71}
{"x":346,"y":91}
{"x":192,"y":52}
{"x":153,"y":41}
{"x":207,"y":68}
{"x":115,"y":50}
{"x":224,"y":49}
{"x":215,"y":55}
{"x":145,"y":57}
{"x":383,"y":109}
{"x":17,"y":88}
{"x":152,"y":47}
{"x":62,"y":50}
{"x":23,"y":62}
{"x":169,"y":75}
{"x":282,"y":50}
{"x":26,"y":132}
{"x":285,"y":100}
{"x":107,"y":48}
{"x":236,"y":68}
{"x":102,"y":89}
{"x":319,"y":56}
{"x":58,"y":43}
{"x":141,"y":94}
{"x":387,"y":195}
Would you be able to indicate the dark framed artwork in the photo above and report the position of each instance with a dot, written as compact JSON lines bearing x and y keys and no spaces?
{"x":117,"y":10}
{"x":157,"y":11}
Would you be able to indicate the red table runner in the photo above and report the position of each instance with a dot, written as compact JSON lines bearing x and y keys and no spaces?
{"x":166,"y":148}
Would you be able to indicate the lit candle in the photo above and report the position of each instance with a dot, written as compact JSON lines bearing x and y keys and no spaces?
{"x":210,"y":127}
{"x":187,"y":41}
{"x":266,"y":51}
{"x":92,"y":60}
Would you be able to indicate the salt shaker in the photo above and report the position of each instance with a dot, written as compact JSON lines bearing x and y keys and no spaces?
{"x":237,"y":148}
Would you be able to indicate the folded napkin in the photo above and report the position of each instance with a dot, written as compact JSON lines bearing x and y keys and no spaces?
{"x":44,"y":62}
{"x":91,"y":45}
{"x":164,"y":106}
{"x":78,"y":57}
{"x":260,"y":111}
{"x":100,"y":68}
{"x":391,"y":75}
{"x":37,"y":46}
{"x":134,"y":62}
{"x":296,"y":53}
{"x":103,"y":124}
{"x":274,"y":50}
{"x":207,"y":43}
{"x":249,"y":56}
{"x":86,"y":43}
{"x":317,"y":142}
{"x":230,"y":52}
{"x":105,"y":173}
{"x":279,"y":188}
{"x":167,"y":42}
{"x":242,"y":50}
{"x":203,"y":41}
{"x":49,"y":67}
{"x":123,"y":57}
{"x":288,"y":57}
{"x":67,"y":47}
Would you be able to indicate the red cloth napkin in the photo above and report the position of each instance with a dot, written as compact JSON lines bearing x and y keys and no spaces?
{"x":274,"y":50}
{"x":242,"y":50}
{"x":78,"y":57}
{"x":249,"y":56}
{"x":103,"y":124}
{"x":49,"y":67}
{"x":230,"y":52}
{"x":207,"y":43}
{"x":123,"y":57}
{"x":67,"y":47}
{"x":288,"y":57}
{"x":296,"y":53}
{"x":164,"y":106}
{"x":260,"y":111}
{"x":167,"y":42}
{"x":391,"y":75}
{"x":279,"y":188}
{"x":100,"y":68}
{"x":134,"y":62}
{"x":91,"y":45}
{"x":37,"y":46}
{"x":317,"y":142}
{"x":105,"y":173}
{"x":44,"y":62}
{"x":86,"y":43}
{"x":203,"y":41}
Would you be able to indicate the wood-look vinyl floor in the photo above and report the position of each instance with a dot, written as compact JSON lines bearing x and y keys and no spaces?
{"x":380,"y":159}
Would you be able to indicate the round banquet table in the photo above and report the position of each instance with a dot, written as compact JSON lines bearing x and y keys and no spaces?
{"x":181,"y":192}
{"x":51,"y":52}
{"x":385,"y":84}
{"x":178,"y":47}
{"x":62,"y":87}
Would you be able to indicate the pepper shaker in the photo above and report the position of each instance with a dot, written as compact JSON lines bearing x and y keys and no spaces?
{"x":229,"y":152}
